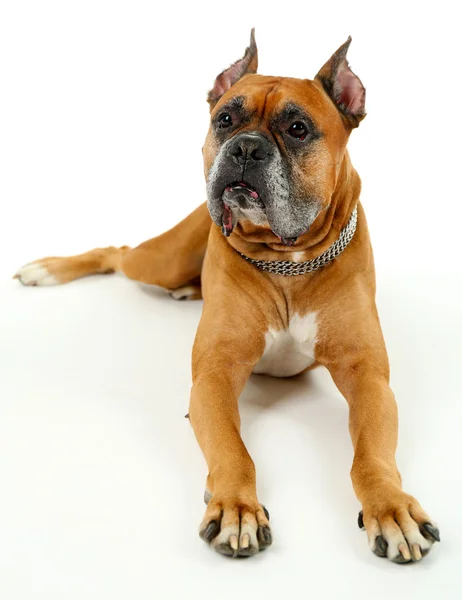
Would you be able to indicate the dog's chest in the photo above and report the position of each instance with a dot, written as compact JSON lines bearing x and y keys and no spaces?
{"x":289,"y":351}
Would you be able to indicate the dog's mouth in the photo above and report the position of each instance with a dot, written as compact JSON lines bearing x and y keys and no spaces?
{"x":241,"y":195}
{"x":238,"y":194}
{"x":242,"y":188}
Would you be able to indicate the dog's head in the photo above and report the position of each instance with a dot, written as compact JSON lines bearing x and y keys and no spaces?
{"x":275,"y":145}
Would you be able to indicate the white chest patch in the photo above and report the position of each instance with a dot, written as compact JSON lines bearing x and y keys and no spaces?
{"x":289,"y":351}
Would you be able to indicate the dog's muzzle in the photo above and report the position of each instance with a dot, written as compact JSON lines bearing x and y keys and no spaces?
{"x":249,"y":178}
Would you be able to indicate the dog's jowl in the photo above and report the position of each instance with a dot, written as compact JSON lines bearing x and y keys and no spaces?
{"x":288,"y":246}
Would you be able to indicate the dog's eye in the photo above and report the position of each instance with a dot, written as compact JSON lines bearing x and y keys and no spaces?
{"x":225,"y":120}
{"x":298,"y":130}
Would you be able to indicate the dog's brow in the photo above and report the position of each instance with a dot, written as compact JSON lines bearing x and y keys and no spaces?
{"x":236,"y":103}
{"x":291,"y":111}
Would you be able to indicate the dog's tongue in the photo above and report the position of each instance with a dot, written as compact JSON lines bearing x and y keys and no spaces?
{"x":238,"y":186}
{"x":227,"y":220}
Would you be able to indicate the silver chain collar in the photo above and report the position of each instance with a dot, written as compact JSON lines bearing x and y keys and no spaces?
{"x":288,"y":267}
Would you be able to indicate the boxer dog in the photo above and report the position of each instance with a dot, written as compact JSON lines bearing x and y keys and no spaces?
{"x":282,"y":257}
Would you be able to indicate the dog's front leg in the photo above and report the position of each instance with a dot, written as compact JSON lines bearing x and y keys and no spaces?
{"x":396,"y":524}
{"x":235,"y":523}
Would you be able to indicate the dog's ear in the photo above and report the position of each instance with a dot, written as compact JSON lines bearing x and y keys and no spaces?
{"x":343,"y":86}
{"x":247,"y":64}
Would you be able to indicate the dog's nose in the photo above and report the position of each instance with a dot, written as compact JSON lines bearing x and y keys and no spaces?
{"x":249,"y":148}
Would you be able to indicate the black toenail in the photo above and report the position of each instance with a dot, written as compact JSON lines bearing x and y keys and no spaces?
{"x":360,"y":520}
{"x":381,"y":546}
{"x":264,"y":536}
{"x":211,"y":531}
{"x":265,"y":510}
{"x":433,"y":532}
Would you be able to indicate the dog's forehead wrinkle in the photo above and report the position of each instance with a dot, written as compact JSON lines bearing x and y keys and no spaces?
{"x":272,"y":90}
{"x":256,"y":98}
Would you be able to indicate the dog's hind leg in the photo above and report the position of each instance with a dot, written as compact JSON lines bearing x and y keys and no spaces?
{"x":172,"y":260}
{"x":59,"y":269}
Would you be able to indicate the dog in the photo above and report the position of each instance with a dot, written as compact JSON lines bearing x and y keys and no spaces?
{"x":281,"y":255}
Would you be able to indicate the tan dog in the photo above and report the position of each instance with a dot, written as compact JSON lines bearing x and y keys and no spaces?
{"x":289,"y":286}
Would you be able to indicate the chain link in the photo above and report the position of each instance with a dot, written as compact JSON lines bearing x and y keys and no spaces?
{"x":288,"y":267}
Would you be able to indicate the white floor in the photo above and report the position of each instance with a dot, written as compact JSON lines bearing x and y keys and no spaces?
{"x":102,"y":480}
{"x":103,"y":116}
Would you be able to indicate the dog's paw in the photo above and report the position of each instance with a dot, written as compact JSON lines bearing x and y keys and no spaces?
{"x":187,"y":292}
{"x":36,"y":273}
{"x":234,"y":528}
{"x":397,"y":527}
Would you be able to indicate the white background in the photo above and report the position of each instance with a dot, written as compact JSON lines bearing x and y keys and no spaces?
{"x":103,"y":116}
